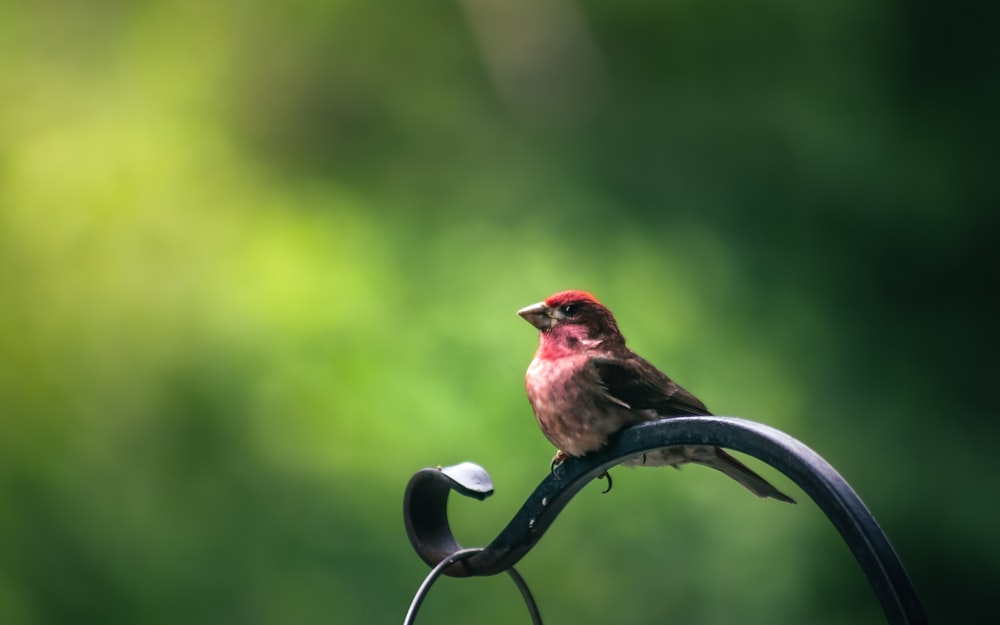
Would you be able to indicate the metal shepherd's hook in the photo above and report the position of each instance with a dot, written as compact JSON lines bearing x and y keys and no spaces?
{"x":425,"y":511}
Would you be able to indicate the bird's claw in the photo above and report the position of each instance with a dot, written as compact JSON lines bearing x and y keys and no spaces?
{"x":557,"y":460}
{"x":606,"y":476}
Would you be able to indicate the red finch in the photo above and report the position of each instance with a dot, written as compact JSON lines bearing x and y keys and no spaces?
{"x":585,"y":385}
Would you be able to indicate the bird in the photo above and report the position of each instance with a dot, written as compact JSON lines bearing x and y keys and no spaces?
{"x":585,"y":385}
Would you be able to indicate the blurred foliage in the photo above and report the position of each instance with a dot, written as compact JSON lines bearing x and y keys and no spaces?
{"x":259,"y":263}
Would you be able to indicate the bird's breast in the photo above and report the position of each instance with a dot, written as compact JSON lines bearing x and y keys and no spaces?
{"x":570,"y":404}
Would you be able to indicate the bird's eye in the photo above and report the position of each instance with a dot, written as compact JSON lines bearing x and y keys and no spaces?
{"x":570,"y":309}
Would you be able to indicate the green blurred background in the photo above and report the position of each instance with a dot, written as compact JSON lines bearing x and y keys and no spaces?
{"x":259,"y":263}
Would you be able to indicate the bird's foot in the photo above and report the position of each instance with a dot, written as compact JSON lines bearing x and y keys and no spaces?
{"x":606,"y":476}
{"x":557,"y":460}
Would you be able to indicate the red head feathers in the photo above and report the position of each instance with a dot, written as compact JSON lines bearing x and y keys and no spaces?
{"x":572,"y":321}
{"x":568,"y":297}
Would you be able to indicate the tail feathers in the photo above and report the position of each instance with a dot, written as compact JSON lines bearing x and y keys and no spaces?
{"x":743,"y":474}
{"x":714,"y":457}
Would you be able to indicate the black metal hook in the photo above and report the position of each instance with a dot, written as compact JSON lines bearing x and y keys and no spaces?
{"x":418,"y":599}
{"x":426,"y":518}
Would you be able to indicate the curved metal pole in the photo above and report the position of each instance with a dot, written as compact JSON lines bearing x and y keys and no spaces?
{"x":426,"y":519}
{"x":425,"y":587}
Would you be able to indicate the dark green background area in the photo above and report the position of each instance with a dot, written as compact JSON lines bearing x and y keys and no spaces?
{"x":259,"y":262}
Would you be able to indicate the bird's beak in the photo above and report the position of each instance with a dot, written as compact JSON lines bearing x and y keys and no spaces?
{"x":538,"y":315}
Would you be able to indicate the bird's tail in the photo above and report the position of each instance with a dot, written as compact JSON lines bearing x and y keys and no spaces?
{"x":743,"y":474}
{"x":714,"y":457}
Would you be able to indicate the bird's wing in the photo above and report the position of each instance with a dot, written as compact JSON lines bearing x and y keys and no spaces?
{"x":639,"y":385}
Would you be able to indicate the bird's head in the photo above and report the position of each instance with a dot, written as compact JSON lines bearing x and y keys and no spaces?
{"x":573,"y":320}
